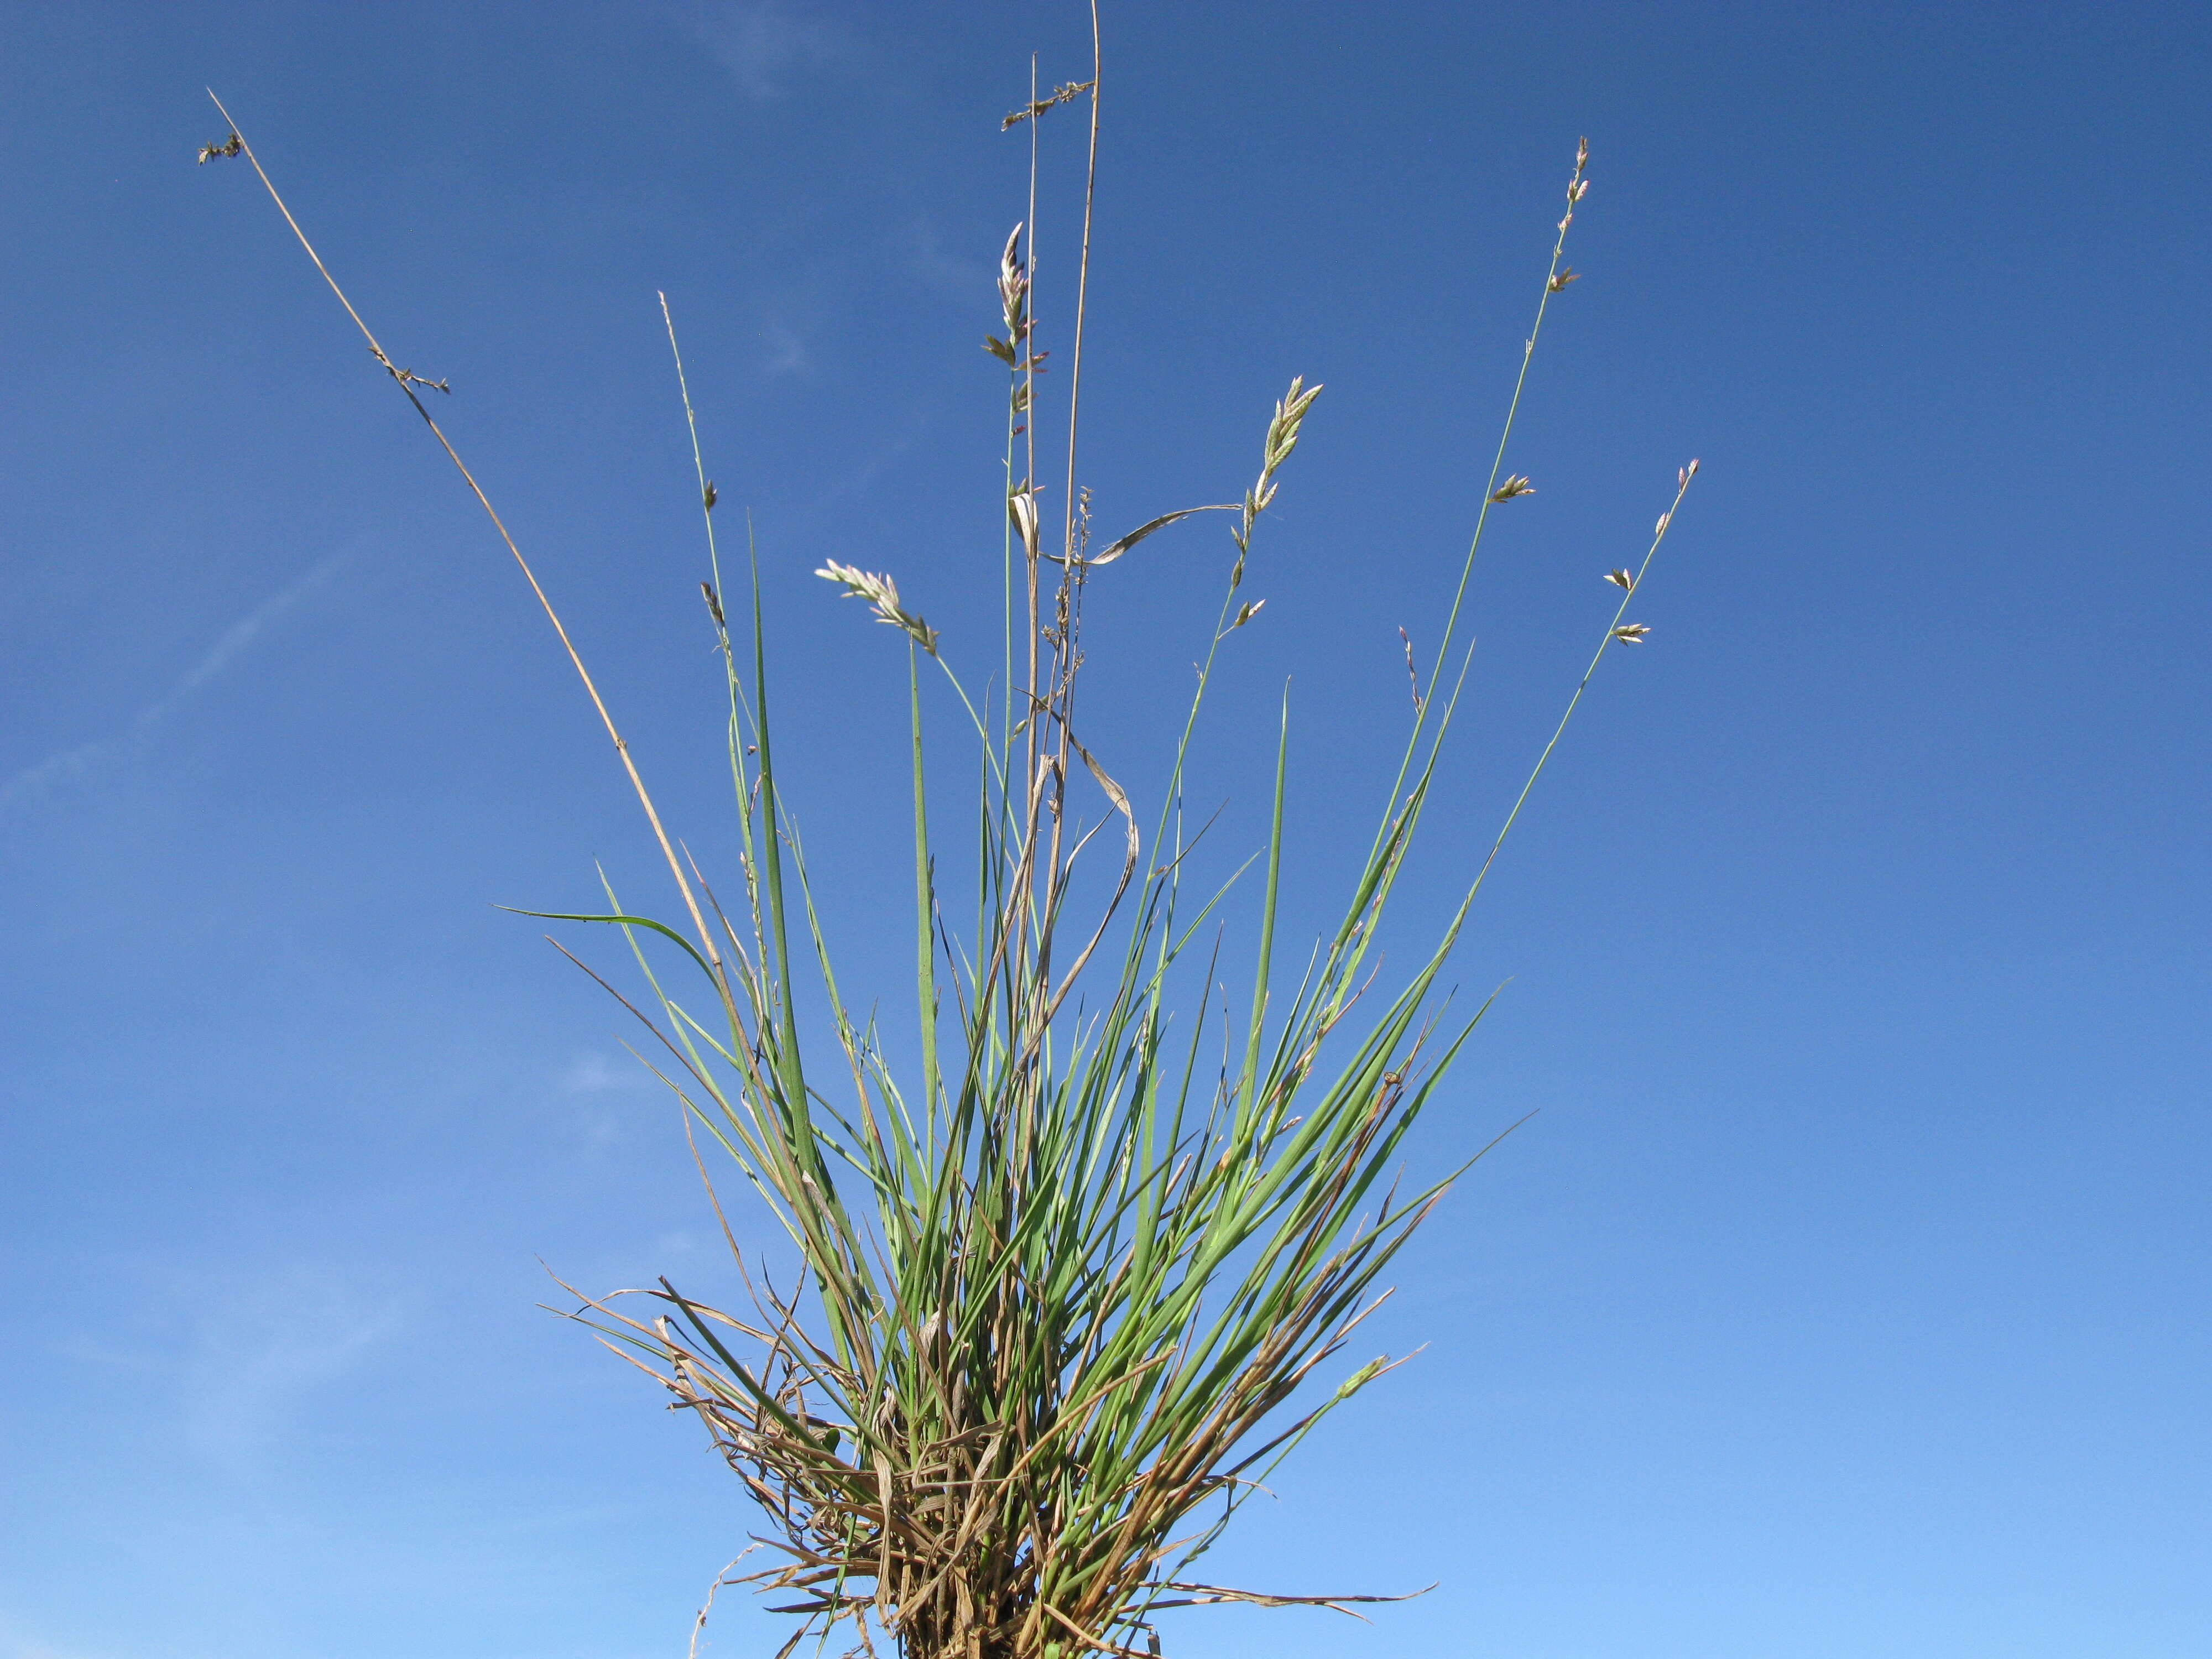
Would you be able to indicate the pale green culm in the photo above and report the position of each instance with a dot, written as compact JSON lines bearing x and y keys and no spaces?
{"x":1065,"y":1275}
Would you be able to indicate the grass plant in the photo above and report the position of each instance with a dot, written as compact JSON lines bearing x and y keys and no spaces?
{"x":1067,"y":1277}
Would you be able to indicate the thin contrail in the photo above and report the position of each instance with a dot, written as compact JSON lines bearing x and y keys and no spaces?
{"x":36,"y":780}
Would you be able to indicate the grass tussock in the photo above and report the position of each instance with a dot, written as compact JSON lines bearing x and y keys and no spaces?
{"x":1072,"y":1278}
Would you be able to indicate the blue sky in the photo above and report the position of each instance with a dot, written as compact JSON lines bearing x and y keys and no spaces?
{"x":1848,"y":1294}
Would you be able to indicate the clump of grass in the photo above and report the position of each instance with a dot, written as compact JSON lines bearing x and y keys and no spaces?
{"x":1065,"y":1283}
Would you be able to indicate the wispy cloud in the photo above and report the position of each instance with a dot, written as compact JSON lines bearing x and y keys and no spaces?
{"x":956,"y":277}
{"x":34,"y":781}
{"x":787,"y":348}
{"x":593,"y":1073}
{"x":259,"y":1347}
{"x":611,"y":1088}
{"x":761,"y":42}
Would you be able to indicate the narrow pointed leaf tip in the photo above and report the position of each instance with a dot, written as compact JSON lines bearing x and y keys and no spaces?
{"x":882,"y":596}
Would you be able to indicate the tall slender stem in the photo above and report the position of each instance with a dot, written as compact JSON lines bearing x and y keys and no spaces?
{"x":402,"y":378}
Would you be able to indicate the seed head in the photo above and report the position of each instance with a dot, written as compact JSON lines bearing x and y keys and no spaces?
{"x":1013,"y":287}
{"x":881,"y":595}
{"x":1566,"y":277}
{"x":1283,"y":430}
{"x":1359,"y":1379}
{"x":1630,"y":633}
{"x":1061,"y":94}
{"x":1282,"y":438}
{"x":1621,"y":580}
{"x":1413,"y":674}
{"x":1515,"y":485}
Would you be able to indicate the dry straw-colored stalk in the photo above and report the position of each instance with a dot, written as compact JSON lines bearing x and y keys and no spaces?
{"x":1062,"y":1288}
